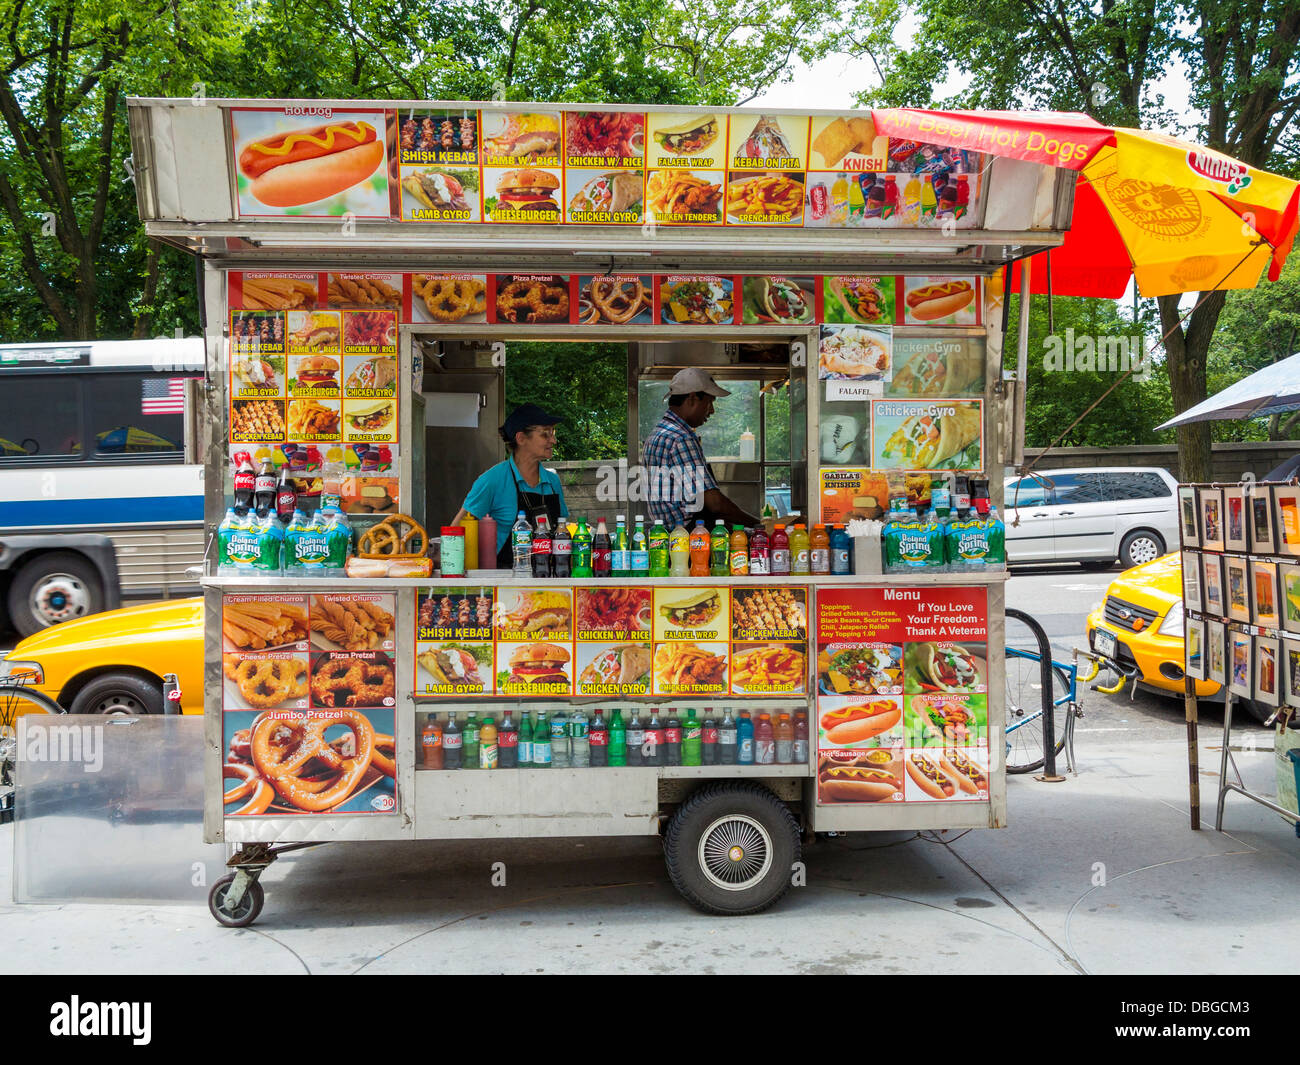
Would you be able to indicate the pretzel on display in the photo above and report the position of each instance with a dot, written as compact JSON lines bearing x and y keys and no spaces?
{"x":397,"y":536}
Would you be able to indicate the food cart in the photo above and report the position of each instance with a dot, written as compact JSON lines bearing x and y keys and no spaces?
{"x":364,"y":265}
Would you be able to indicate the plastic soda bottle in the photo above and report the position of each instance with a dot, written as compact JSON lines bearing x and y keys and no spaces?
{"x":559,"y":740}
{"x":598,"y":747}
{"x":562,"y":552}
{"x":452,"y":748}
{"x":745,"y":739}
{"x":653,"y":750}
{"x":739,"y":551}
{"x":657,"y":541}
{"x":719,"y":551}
{"x":764,"y":741}
{"x":727,"y":747}
{"x":579,"y":741}
{"x":692,"y":740}
{"x":780,"y":552}
{"x":760,"y":559}
{"x":487,"y":744}
{"x":673,"y":742}
{"x":799,"y":752}
{"x":783,"y":733}
{"x":507,"y":743}
{"x":470,"y":745}
{"x":521,"y":546}
{"x":639,"y":562}
{"x":431,"y":742}
{"x":709,"y":738}
{"x":525,"y":740}
{"x":635,"y":741}
{"x":679,"y":552}
{"x":819,"y":555}
{"x":620,"y":563}
{"x":699,"y":549}
{"x":800,"y":564}
{"x":617,"y":740}
{"x":542,"y":547}
{"x":582,"y":551}
{"x":602,"y":561}
{"x":542,"y":742}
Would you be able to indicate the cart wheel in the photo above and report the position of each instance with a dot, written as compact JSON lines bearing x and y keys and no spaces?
{"x":731,"y":849}
{"x":250,"y":906}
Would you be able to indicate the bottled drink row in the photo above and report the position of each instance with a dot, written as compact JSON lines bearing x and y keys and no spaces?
{"x":567,"y":739}
{"x":540,"y":551}
{"x":957,"y":532}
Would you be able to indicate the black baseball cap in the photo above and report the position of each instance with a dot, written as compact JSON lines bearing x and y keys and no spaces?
{"x":526,"y":415}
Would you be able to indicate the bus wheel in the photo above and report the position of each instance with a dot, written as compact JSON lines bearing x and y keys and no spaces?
{"x":54,"y":587}
{"x":731,"y":849}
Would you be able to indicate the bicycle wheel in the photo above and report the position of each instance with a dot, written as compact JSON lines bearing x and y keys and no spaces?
{"x":1025,"y":711}
{"x":17,"y":699}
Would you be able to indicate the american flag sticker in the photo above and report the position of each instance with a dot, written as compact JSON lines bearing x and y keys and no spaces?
{"x":162,"y":396}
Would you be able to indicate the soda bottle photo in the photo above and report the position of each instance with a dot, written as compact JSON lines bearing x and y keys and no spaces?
{"x":759,"y":554}
{"x":635,"y":741}
{"x":525,"y":758}
{"x":728,"y":748}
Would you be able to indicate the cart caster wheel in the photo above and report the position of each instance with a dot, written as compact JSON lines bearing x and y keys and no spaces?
{"x":250,"y":906}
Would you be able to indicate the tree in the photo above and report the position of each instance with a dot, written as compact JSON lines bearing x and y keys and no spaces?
{"x":1240,"y":62}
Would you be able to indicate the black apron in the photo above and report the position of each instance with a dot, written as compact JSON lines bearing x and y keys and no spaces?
{"x":534,"y":505}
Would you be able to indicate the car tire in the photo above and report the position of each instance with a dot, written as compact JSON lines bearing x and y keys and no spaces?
{"x":1139,"y":546}
{"x":119,"y":694}
{"x":53,"y":587}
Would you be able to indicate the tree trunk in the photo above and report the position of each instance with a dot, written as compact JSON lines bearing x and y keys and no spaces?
{"x":1186,"y":348}
{"x":144,"y":320}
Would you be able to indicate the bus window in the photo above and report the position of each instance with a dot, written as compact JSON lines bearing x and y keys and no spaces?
{"x":131,"y":415}
{"x":40,"y":415}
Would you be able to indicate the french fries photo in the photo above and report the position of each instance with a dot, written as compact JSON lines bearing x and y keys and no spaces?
{"x":765,"y":198}
{"x":768,"y":668}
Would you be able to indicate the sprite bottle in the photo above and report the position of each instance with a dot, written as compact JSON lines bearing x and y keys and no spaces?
{"x":582,"y":550}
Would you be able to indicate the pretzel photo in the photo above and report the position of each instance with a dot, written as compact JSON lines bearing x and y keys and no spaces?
{"x":388,"y":540}
{"x":618,"y":301}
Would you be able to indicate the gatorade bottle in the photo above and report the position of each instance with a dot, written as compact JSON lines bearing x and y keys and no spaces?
{"x":452,"y":737}
{"x":487,"y":744}
{"x":679,"y":552}
{"x":739,"y":551}
{"x":598,"y":735}
{"x":744,"y":739}
{"x":431,"y":741}
{"x":639,"y":561}
{"x":542,"y":742}
{"x":799,"y":752}
{"x":692,"y":740}
{"x":799,"y":551}
{"x":780,"y":552}
{"x":764,"y":741}
{"x":727,"y":747}
{"x":719,"y":551}
{"x":602,"y":561}
{"x":840,"y":545}
{"x":699,"y":549}
{"x":658,"y":550}
{"x":620,"y":563}
{"x":617,"y":740}
{"x":760,"y":561}
{"x":582,"y":551}
{"x":470,"y":745}
{"x":819,"y":557}
{"x":507,"y":743}
{"x":783,"y":733}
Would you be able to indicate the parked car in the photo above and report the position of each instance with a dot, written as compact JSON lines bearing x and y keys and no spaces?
{"x":1092,"y":516}
{"x":113,"y":663}
{"x":1139,"y":627}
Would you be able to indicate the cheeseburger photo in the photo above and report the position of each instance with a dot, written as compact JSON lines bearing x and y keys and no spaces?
{"x":530,"y":192}
{"x":538,"y":663}
{"x":317,"y":371}
{"x":307,"y":165}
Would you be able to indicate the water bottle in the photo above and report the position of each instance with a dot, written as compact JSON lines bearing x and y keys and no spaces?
{"x":560,"y":740}
{"x":521,"y":544}
{"x":579,"y":743}
{"x":542,"y":742}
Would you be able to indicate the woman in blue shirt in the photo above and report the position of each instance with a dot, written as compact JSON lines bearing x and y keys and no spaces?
{"x":520,"y":482}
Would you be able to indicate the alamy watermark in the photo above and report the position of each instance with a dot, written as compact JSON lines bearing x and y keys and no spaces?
{"x":61,"y":743}
{"x":1085,"y":353}
{"x":616,"y":482}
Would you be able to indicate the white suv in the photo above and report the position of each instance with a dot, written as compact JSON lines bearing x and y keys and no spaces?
{"x":1092,"y":515}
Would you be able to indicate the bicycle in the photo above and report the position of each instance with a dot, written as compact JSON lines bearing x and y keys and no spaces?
{"x":16,"y":698}
{"x":1025,"y":712}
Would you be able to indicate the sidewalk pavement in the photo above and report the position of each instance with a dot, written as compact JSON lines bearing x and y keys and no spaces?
{"x":1100,"y":874}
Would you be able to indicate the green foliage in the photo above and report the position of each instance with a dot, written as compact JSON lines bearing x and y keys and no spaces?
{"x":584,"y":384}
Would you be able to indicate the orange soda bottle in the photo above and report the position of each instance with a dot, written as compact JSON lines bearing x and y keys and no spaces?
{"x":699,"y":550}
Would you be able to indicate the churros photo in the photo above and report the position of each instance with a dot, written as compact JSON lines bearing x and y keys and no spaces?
{"x":261,"y":624}
{"x":278,"y":294}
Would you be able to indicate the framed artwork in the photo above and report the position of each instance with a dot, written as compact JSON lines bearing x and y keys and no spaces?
{"x":1286,"y":519}
{"x":1211,"y":500}
{"x":1263,"y":587}
{"x":1288,"y":600}
{"x":1195,"y":648}
{"x":1241,"y":649}
{"x":1216,"y":652}
{"x":1191,"y":581}
{"x":1259,"y":504}
{"x":1234,"y":519}
{"x":1188,"y":521}
{"x":1236,"y":583}
{"x":1291,"y":672}
{"x":1268,"y":669}
{"x":1212,"y":601}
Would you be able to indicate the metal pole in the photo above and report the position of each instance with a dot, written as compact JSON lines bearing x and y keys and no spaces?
{"x":1193,"y":754}
{"x":1022,"y":367}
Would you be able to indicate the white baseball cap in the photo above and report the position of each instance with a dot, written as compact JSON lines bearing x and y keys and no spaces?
{"x":694,"y":379}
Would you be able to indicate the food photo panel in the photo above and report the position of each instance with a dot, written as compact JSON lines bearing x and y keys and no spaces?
{"x":1211,"y":505}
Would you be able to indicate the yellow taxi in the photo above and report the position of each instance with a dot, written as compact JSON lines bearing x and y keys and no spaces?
{"x":113,"y":663}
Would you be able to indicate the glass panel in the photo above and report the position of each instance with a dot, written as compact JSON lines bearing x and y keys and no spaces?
{"x":1032,"y":493}
{"x":40,"y":415}
{"x":1079,"y":487}
{"x":776,"y":415}
{"x":132,"y":415}
{"x":778,"y":494}
{"x":1138,"y":486}
{"x":732,"y":416}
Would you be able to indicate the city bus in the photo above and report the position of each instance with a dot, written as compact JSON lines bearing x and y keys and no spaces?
{"x":97,"y":501}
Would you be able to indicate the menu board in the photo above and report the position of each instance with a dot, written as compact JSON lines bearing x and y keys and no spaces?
{"x":612,"y":640}
{"x":902,"y":695}
{"x":544,"y":164}
{"x":301,"y":674}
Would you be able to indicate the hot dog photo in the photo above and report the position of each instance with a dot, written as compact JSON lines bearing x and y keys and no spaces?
{"x":868,"y":776}
{"x":946,"y":774}
{"x":314,"y":166}
{"x":860,"y":722}
{"x":947,"y":300}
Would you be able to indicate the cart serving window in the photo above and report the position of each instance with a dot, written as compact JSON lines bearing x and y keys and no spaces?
{"x":378,"y":669}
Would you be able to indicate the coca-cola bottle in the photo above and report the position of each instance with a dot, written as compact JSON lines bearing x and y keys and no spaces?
{"x":264,"y":488}
{"x":245,"y":482}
